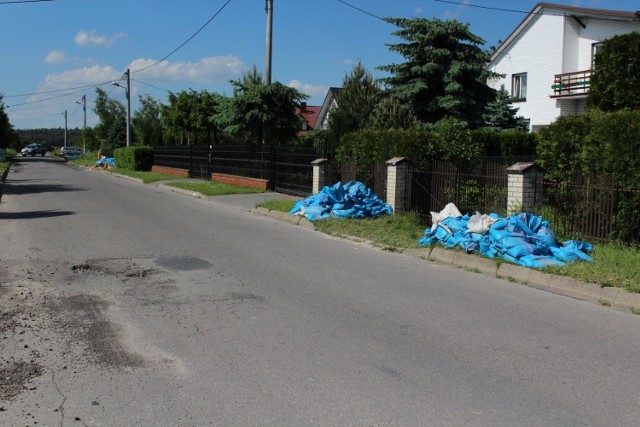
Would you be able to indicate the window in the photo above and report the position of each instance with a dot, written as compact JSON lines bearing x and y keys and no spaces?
{"x":595,"y":48}
{"x":519,"y":87}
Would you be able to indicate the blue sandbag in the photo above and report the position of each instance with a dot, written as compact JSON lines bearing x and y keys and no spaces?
{"x":539,"y":261}
{"x":523,"y":239}
{"x":351,"y":200}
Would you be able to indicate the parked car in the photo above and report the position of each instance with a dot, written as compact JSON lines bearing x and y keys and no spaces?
{"x":70,"y":152}
{"x":33,"y":149}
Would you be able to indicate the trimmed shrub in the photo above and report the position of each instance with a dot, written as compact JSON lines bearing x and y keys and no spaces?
{"x":135,"y":158}
{"x":368,"y":145}
{"x":506,"y":142}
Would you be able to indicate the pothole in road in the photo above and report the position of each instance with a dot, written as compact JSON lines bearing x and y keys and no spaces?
{"x":123,"y":268}
{"x":87,"y":268}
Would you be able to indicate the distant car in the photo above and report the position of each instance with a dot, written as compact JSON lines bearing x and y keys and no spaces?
{"x":33,"y":149}
{"x":70,"y":152}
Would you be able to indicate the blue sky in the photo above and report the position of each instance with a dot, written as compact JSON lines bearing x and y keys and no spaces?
{"x":60,"y":44}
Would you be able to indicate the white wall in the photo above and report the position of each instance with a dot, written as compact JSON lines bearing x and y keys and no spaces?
{"x":550,"y":45}
{"x":597,"y":31}
{"x":538,"y":52}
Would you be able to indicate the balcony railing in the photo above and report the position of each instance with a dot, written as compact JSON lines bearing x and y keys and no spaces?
{"x":568,"y":84}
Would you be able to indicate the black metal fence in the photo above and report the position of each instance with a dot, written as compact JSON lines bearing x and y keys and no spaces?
{"x":287,"y":167}
{"x":373,"y":175}
{"x":481,"y":186}
{"x":593,"y":208}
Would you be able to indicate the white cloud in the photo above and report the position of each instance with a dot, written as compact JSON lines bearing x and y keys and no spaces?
{"x":55,"y":57}
{"x":419,"y":10}
{"x":213,"y":69}
{"x":80,"y":77}
{"x":314,"y":91}
{"x":91,"y":38}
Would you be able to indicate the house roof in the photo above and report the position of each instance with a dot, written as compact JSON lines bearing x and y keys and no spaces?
{"x":332,"y":94}
{"x":559,"y":9}
{"x":310,"y":113}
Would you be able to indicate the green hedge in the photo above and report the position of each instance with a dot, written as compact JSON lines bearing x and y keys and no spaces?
{"x":599,"y":142}
{"x":447,"y":140}
{"x":135,"y":158}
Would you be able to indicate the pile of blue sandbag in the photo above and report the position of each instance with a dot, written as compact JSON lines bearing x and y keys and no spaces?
{"x":351,"y":200}
{"x":107,"y":162}
{"x":522,"y":239}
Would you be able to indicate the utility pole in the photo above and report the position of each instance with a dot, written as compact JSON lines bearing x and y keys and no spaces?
{"x":127,"y":90}
{"x":128,"y":107}
{"x":266,"y":134}
{"x":65,"y":128}
{"x":84,"y":129}
{"x":267,"y":68}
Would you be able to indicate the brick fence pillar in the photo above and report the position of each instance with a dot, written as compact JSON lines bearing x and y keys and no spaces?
{"x":397,"y":183}
{"x":319,"y":179}
{"x":524,"y":193}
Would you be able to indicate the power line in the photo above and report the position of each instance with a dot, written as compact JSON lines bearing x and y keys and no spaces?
{"x":457,"y":3}
{"x":150,"y":85}
{"x":361,"y":10}
{"x":50,"y":98}
{"x":24,"y":1}
{"x":89,"y":86}
{"x":187,"y":41}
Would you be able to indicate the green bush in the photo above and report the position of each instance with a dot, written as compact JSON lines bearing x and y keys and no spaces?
{"x":449,"y":139}
{"x":598,"y":142}
{"x":134,"y":158}
{"x":506,"y":142}
{"x":560,"y":145}
{"x":367,"y":145}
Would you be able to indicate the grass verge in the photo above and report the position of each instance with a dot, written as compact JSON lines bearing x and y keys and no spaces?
{"x":213,"y":188}
{"x":88,"y":159}
{"x":11,"y":153}
{"x":280,"y":205}
{"x":146,"y":177}
{"x":613,"y":264}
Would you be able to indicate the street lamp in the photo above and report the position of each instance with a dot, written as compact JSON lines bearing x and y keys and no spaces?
{"x":127,"y":90}
{"x":84,"y":131}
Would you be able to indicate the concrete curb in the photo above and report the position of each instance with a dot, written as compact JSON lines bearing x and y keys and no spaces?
{"x":181,"y":191}
{"x":119,"y":175}
{"x":283,"y":216}
{"x":609,"y":296}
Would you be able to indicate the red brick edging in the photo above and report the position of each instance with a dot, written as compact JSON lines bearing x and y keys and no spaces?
{"x":262,"y":184}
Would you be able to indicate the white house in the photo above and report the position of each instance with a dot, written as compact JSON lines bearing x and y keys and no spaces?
{"x":547,"y":60}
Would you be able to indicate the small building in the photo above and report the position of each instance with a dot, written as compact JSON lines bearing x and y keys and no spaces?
{"x":309,"y":114}
{"x":330,"y":102}
{"x":547,"y":60}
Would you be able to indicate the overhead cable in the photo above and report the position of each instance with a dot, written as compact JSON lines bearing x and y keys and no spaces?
{"x":186,"y":41}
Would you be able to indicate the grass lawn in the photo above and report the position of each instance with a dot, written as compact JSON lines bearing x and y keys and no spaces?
{"x":213,"y":188}
{"x":88,"y":159}
{"x":146,"y":177}
{"x":613,"y":264}
{"x":11,"y":153}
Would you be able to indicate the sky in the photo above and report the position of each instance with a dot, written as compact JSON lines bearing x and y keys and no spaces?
{"x":55,"y":51}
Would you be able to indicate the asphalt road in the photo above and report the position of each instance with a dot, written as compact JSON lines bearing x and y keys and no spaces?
{"x":124,"y":304}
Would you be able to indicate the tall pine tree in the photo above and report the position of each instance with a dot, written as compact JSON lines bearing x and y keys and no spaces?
{"x":444,"y":73}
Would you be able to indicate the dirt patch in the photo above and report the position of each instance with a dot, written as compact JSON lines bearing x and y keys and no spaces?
{"x":15,"y":376}
{"x":83,"y":318}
